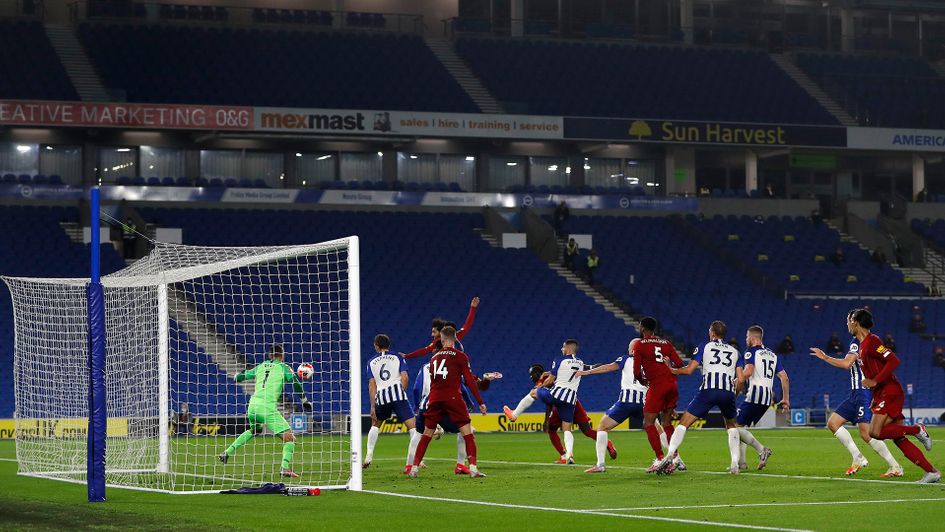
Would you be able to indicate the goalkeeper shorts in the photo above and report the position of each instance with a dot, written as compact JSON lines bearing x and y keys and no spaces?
{"x":268,"y":416}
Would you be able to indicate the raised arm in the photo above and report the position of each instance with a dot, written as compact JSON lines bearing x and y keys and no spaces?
{"x":296,"y":386}
{"x":842,"y":363}
{"x":470,"y":318}
{"x":422,"y":351}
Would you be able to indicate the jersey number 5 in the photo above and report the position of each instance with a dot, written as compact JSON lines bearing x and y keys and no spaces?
{"x":439,"y":368}
{"x":658,"y":353}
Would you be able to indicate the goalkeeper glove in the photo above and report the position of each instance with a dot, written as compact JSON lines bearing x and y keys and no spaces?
{"x":306,"y":404}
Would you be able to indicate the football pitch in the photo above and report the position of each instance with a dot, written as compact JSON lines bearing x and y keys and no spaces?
{"x":803,"y":488}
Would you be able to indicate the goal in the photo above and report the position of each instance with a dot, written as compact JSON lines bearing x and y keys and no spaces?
{"x":180,"y":324}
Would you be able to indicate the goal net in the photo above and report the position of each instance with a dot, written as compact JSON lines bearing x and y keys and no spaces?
{"x":181,"y":323}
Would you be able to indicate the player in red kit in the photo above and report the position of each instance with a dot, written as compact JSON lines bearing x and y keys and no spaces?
{"x":878,"y":363}
{"x":438,"y":325}
{"x":448,"y":368}
{"x":650,"y":358}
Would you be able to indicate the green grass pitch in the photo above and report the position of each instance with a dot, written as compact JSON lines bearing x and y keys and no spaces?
{"x":802,"y":488}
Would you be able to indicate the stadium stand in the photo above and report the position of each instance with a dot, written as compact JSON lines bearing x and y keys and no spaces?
{"x":34,"y":72}
{"x":639,"y":81}
{"x":29,"y":257}
{"x":276,"y":68}
{"x":881,"y":91}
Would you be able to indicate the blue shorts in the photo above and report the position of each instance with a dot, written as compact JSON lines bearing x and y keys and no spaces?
{"x":445,"y":422}
{"x":621,"y":411}
{"x":401,"y":408}
{"x":856,"y":407}
{"x":565,"y":409}
{"x":706,"y":399}
{"x":750,"y":413}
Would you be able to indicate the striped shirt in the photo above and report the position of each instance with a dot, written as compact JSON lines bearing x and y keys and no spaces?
{"x":718,"y":361}
{"x":421,"y":390}
{"x":761,"y":382}
{"x":856,"y":370}
{"x":631,"y":391}
{"x":385,"y":369}
{"x":567,"y":380}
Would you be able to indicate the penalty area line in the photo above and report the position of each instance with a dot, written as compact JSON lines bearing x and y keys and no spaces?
{"x":762,"y":504}
{"x":584,"y":512}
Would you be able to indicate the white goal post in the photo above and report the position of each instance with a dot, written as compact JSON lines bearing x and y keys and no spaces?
{"x":180,"y":325}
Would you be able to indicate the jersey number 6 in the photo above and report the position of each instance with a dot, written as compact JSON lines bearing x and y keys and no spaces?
{"x":385,"y":373}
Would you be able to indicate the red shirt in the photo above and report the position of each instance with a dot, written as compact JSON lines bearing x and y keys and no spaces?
{"x":435,"y":344}
{"x":447,"y":367}
{"x":878,"y":363}
{"x":649,"y":359}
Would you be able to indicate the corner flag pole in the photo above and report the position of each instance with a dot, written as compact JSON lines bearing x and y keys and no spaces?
{"x":95,"y":297}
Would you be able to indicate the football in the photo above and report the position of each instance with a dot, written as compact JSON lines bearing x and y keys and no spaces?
{"x":305,"y":371}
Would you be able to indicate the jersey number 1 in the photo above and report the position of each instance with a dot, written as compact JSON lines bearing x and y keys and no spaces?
{"x":439,"y":368}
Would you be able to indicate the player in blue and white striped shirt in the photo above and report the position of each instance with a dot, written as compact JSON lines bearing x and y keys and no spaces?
{"x":629,"y":403}
{"x":387,"y":385}
{"x":719,"y":362}
{"x":560,"y":388}
{"x":856,"y":409}
{"x":759,"y":366}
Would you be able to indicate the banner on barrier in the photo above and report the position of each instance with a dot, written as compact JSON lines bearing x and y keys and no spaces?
{"x":124,"y":115}
{"x":58,"y":428}
{"x":716,"y":133}
{"x":532,"y":422}
{"x":883,"y":138}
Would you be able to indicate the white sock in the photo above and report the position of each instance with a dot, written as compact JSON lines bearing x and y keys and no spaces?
{"x":601,"y":447}
{"x":880,"y":447}
{"x":412,"y":447}
{"x":523,"y":405}
{"x":569,"y":444}
{"x":749,"y":438}
{"x":676,"y":440}
{"x":371,"y":442}
{"x":741,"y":453}
{"x":847,"y":442}
{"x":460,"y":449}
{"x":734,"y":449}
{"x":663,"y":443}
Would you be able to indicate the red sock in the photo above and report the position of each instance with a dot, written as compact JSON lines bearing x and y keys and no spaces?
{"x":421,"y":449}
{"x":897,"y":430}
{"x":590,"y":433}
{"x":913,"y":453}
{"x":556,"y":441}
{"x":653,"y":436}
{"x":669,"y":429}
{"x":470,"y":448}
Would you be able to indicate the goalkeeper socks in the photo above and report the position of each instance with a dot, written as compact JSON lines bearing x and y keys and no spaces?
{"x":371,"y":442}
{"x":470,"y":441}
{"x":288,"y":449}
{"x":749,"y":438}
{"x":462,"y":449}
{"x":601,"y":447}
{"x":568,"y":443}
{"x":412,"y":447}
{"x":523,"y":405}
{"x":891,"y":432}
{"x":556,"y":441}
{"x":676,"y":440}
{"x":913,"y":453}
{"x":240,"y":441}
{"x":421,"y":449}
{"x":847,"y":442}
{"x":653,"y":436}
{"x":734,"y":447}
{"x":880,"y":447}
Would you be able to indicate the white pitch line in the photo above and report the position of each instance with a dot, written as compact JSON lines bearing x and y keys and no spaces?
{"x":7,"y":459}
{"x":585,"y":512}
{"x":748,"y":475}
{"x":755,"y":505}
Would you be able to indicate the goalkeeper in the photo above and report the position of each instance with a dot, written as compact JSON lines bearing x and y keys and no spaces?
{"x":271,"y":377}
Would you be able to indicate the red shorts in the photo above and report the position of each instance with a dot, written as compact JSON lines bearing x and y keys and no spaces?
{"x":661,"y":396}
{"x":580,"y":416}
{"x":454,"y":408}
{"x":889,"y":401}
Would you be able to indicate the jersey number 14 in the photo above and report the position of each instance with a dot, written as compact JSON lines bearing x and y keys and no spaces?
{"x":439,"y":368}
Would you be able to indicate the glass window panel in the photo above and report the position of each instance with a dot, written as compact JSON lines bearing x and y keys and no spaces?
{"x":314,"y":168}
{"x":116,"y":162}
{"x":417,"y":168}
{"x":505,"y":172}
{"x":549,"y":171}
{"x":459,"y":169}
{"x":362,"y":166}
{"x":19,"y":158}
{"x":64,"y":161}
{"x":163,"y":162}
